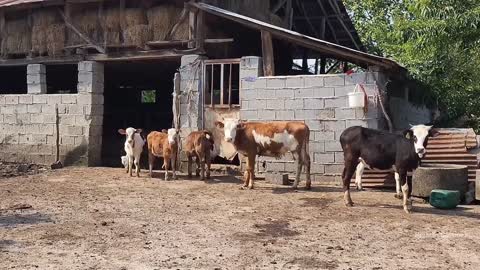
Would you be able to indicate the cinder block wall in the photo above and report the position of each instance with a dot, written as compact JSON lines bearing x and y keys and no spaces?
{"x":28,"y":121}
{"x":321,"y":102}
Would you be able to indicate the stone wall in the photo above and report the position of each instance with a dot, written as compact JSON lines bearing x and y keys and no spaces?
{"x":321,"y":102}
{"x":28,"y":130}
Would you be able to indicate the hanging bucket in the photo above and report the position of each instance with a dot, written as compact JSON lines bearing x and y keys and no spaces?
{"x":356,"y":99}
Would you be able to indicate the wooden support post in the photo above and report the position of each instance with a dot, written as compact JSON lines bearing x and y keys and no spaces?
{"x":192,"y":20}
{"x":305,"y":61}
{"x":316,"y":66}
{"x":267,"y":51}
{"x":200,"y":31}
{"x":323,"y":64}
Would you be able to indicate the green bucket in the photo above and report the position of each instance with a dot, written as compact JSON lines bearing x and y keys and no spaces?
{"x":444,"y":199}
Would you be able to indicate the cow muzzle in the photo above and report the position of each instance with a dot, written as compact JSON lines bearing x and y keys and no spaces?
{"x":228,"y":139}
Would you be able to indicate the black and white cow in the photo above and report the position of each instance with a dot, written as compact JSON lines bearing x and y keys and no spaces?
{"x":363,"y":147}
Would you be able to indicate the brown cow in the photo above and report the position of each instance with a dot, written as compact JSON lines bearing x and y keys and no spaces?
{"x":199,"y":144}
{"x":163,"y":144}
{"x":269,"y":139}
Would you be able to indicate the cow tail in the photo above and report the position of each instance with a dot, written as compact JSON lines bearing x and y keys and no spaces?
{"x":306,"y":148}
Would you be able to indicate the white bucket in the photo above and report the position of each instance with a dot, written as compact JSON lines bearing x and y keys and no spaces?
{"x":356,"y":98}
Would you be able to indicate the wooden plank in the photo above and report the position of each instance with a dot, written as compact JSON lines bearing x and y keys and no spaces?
{"x":80,"y":34}
{"x":174,"y":28}
{"x":230,"y":86}
{"x":267,"y":51}
{"x":135,"y":56}
{"x":340,"y":20}
{"x":41,"y":60}
{"x":200,"y":31}
{"x":191,"y":28}
{"x":173,"y":43}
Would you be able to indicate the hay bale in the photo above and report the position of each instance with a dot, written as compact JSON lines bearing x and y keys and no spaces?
{"x":137,"y":35}
{"x":112,"y":26}
{"x":55,"y":39}
{"x":39,"y":40}
{"x":182,"y":31}
{"x":18,"y":37}
{"x":44,"y":17}
{"x":133,"y":17}
{"x":86,"y":22}
{"x":160,"y":19}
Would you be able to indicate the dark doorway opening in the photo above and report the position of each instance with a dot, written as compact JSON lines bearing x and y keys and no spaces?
{"x":137,"y":95}
{"x":13,"y":80}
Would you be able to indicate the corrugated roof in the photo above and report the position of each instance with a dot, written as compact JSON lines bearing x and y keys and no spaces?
{"x":9,"y":3}
{"x":335,"y":50}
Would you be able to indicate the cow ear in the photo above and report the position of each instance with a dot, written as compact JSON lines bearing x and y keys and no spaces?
{"x":408,"y":134}
{"x":241,"y":125}
{"x":164,"y":131}
{"x":139,"y":130}
{"x":122,"y":131}
{"x":433,"y":133}
{"x":219,"y":124}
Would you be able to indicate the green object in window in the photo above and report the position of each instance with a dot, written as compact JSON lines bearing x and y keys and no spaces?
{"x":444,"y":199}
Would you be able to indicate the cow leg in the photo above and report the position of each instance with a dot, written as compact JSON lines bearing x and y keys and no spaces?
{"x":249,"y":172}
{"x":358,"y":175}
{"x":306,"y":162}
{"x":151,"y":160}
{"x":299,"y":170}
{"x":137,"y":166}
{"x":173,"y":162}
{"x":189,"y":165}
{"x":197,"y":161}
{"x":398,"y":195}
{"x":202,"y":166}
{"x":407,"y":204}
{"x":165,"y":164}
{"x":130,"y":165}
{"x":209,"y":163}
{"x":350,"y":165}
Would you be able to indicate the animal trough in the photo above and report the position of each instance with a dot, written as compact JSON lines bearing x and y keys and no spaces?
{"x":439,"y":176}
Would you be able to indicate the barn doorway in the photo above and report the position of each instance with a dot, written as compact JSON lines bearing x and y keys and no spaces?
{"x":139,"y":95}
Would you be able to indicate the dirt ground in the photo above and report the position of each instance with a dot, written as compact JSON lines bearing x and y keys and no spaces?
{"x":98,"y":218}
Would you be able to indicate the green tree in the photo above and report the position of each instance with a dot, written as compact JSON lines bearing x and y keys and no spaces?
{"x":438,"y":41}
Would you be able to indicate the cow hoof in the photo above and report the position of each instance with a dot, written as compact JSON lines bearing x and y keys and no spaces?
{"x":189,"y":176}
{"x":308,"y":187}
{"x":243,"y":187}
{"x":398,"y":196}
{"x":408,"y":211}
{"x":208,"y":176}
{"x":294,"y":187}
{"x":349,"y":204}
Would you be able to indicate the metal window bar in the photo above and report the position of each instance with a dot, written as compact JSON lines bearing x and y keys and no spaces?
{"x":222,"y":63}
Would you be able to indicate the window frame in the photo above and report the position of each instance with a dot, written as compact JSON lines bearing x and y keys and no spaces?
{"x":222,"y":63}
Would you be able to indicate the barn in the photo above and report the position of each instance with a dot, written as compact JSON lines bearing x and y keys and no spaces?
{"x":73,"y":72}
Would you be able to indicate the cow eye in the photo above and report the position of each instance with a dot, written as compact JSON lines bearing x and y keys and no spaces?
{"x":415,"y":138}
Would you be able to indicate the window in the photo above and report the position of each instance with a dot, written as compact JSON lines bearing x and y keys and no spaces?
{"x":148,"y":96}
{"x":222,"y":83}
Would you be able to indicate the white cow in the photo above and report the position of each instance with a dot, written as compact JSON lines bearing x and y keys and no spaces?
{"x":133,"y":147}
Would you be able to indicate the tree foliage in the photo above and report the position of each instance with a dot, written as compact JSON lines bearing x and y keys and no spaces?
{"x":438,"y":41}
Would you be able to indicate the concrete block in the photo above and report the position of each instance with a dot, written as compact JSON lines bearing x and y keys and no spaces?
{"x":94,"y":131}
{"x":250,"y":94}
{"x":342,"y":91}
{"x":284,"y":115}
{"x":90,"y":66}
{"x":67,"y":140}
{"x":304,"y":93}
{"x":317,"y":146}
{"x":316,"y":168}
{"x":477,"y":185}
{"x":336,"y":169}
{"x":324,"y":158}
{"x":37,"y":88}
{"x":334,"y":80}
{"x":75,"y":109}
{"x":334,"y":125}
{"x":95,"y":120}
{"x":1,"y":118}
{"x":275,"y":82}
{"x":23,"y":118}
{"x":93,"y":109}
{"x":314,"y":81}
{"x":373,"y":123}
{"x":275,"y":167}
{"x":337,"y":102}
{"x":39,"y":139}
{"x":54,"y":99}
{"x":51,"y":140}
{"x":326,"y":114}
{"x":74,"y":130}
{"x":69,"y":99}
{"x":351,"y":123}
{"x":9,"y":109}
{"x":34,"y":108}
{"x":339,"y":158}
{"x":25,"y":99}
{"x":251,"y":62}
{"x":323,"y":92}
{"x":80,"y":140}
{"x":40,"y":99}
{"x":333,"y":146}
{"x":305,"y":114}
{"x":314,"y":125}
{"x":36,"y":69}
{"x":277,"y":178}
{"x":49,"y":109}
{"x":324,"y":135}
{"x":11,"y":99}
{"x":266,"y":115}
{"x":36,"y":118}
{"x":257,"y":104}
{"x":361,"y":78}
{"x":85,"y":99}
{"x":314,"y":103}
{"x":2,"y":99}
{"x":294,"y":104}
{"x":344,"y":113}
{"x":284,"y":93}
{"x":295,"y":82}
{"x":10,"y":119}
{"x":67,"y":119}
{"x":25,"y":139}
{"x":36,"y":79}
{"x":277,"y":104}
{"x":248,"y":115}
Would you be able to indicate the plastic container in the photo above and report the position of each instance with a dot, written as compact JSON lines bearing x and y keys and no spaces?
{"x":444,"y":199}
{"x":356,"y":99}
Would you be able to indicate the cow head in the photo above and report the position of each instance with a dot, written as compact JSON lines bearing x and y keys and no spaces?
{"x":173,"y":135}
{"x":130,"y":133}
{"x":419,"y":134}
{"x":230,"y":127}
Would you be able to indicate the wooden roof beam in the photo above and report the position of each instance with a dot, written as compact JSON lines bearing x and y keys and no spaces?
{"x":337,"y":13}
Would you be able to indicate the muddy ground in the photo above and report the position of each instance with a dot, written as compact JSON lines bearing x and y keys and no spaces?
{"x":99,"y":218}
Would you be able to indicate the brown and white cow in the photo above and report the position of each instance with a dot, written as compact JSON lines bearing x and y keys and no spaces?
{"x":272,"y":139}
{"x":163,"y":144}
{"x":199,"y":144}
